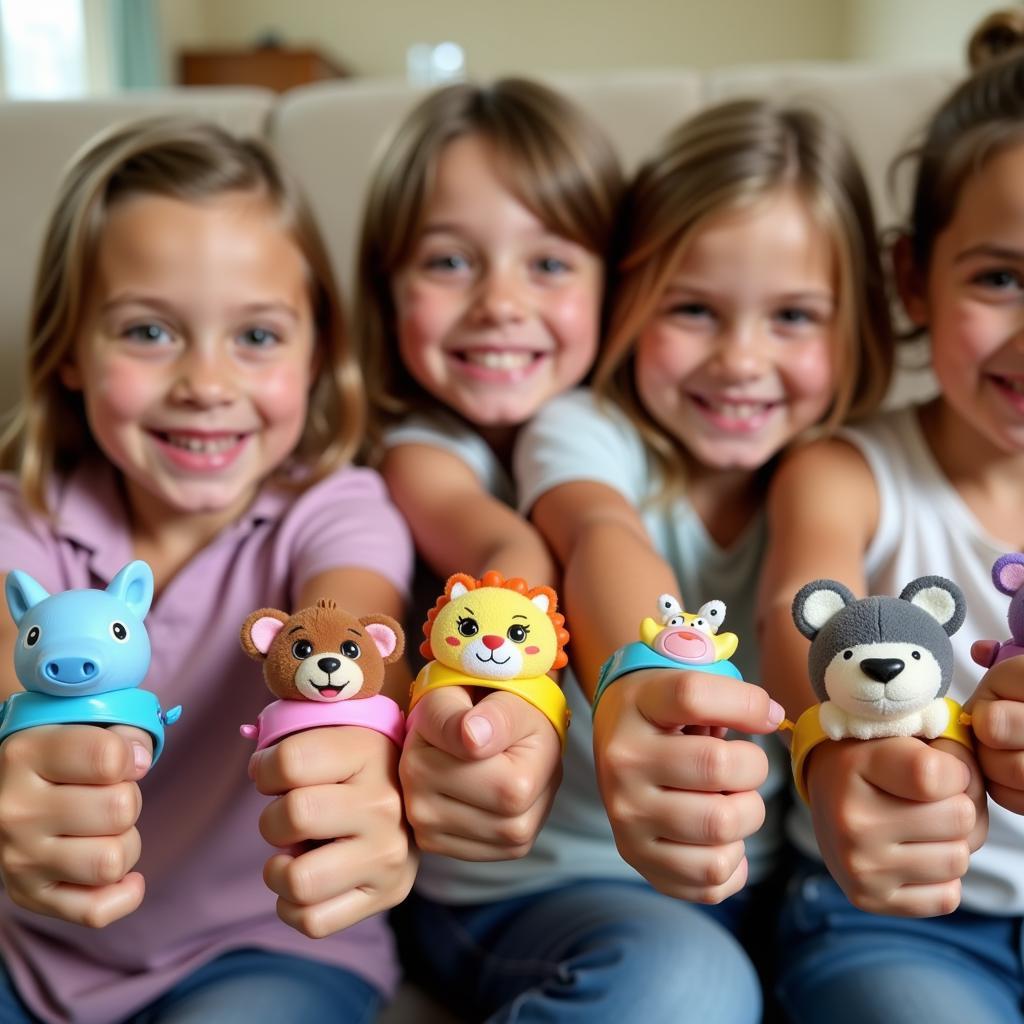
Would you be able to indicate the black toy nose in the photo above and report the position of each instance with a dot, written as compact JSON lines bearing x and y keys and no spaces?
{"x":330,"y":665}
{"x":882,"y":669}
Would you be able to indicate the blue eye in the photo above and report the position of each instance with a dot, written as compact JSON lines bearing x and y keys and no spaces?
{"x":147,"y":333}
{"x":259,"y":337}
{"x":449,"y":262}
{"x":793,"y":315}
{"x":551,"y":265}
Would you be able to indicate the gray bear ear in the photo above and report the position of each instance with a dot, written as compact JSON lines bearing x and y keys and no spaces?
{"x":815,"y":603}
{"x":942,"y":599}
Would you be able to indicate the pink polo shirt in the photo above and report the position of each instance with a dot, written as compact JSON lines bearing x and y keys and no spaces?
{"x":202,"y":854}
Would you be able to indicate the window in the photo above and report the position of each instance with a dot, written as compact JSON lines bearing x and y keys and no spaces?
{"x":43,"y":49}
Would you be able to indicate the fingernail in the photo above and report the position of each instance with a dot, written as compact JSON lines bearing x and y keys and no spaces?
{"x":480,"y":730}
{"x":776,"y":713}
{"x":141,"y":756}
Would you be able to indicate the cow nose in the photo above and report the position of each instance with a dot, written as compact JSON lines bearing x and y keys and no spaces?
{"x":70,"y":670}
{"x":882,"y":670}
{"x":492,"y":643}
{"x":329,"y":665}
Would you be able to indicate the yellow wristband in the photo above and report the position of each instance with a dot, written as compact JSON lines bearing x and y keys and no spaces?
{"x":540,"y":691}
{"x":808,"y":733}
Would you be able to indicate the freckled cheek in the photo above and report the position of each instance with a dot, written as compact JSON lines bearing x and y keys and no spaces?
{"x":123,"y":390}
{"x":424,"y":315}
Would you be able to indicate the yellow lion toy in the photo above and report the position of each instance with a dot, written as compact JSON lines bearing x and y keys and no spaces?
{"x":499,"y":634}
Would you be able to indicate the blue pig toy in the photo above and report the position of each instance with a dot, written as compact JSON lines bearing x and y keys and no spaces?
{"x":81,"y":656}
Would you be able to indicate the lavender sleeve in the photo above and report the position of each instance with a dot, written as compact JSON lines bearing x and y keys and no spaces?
{"x":26,"y":542}
{"x":347,"y":521}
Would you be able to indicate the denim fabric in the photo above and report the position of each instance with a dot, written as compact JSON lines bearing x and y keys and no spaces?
{"x":593,"y":951}
{"x":247,"y":986}
{"x":845,"y":966}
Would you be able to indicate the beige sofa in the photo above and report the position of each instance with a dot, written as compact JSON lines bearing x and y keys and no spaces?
{"x":329,"y":133}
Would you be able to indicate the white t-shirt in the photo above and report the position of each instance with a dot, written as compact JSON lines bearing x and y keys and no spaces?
{"x":574,"y":439}
{"x":925,"y":528}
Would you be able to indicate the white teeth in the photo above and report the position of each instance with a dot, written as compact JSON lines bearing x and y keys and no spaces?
{"x":213,"y":446}
{"x":499,"y":360}
{"x":738,"y":410}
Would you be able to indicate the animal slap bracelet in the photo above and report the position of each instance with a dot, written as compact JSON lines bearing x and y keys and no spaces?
{"x":327,"y":667}
{"x":678,"y":639}
{"x":881,"y":666}
{"x":81,"y":655}
{"x":500,"y":635}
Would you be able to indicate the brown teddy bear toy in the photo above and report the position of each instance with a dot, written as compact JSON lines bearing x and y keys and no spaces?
{"x":327,"y":667}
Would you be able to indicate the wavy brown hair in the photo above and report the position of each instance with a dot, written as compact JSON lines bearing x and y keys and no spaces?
{"x":728,"y":157}
{"x":552,"y":158}
{"x":191,"y":161}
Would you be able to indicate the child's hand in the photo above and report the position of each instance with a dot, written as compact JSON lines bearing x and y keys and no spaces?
{"x":338,"y":816}
{"x":897,"y":820}
{"x":478,"y":779}
{"x":997,"y":718}
{"x":69,"y":800}
{"x":680,"y":805}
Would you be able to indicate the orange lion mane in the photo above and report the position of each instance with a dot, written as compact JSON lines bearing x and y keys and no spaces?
{"x":495,"y":579}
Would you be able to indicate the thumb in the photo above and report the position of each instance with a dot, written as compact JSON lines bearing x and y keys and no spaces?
{"x":984,"y":651}
{"x":140,"y":745}
{"x":498,"y":722}
{"x":437,"y":719}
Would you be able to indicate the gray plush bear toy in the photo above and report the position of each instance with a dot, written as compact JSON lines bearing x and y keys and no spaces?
{"x":881,"y":666}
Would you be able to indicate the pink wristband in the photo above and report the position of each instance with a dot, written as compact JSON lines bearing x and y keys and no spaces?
{"x":283,"y":717}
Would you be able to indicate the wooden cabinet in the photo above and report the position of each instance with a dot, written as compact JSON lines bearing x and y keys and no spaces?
{"x":274,"y":68}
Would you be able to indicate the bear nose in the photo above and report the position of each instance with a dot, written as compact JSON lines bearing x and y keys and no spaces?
{"x":882,"y":669}
{"x":492,"y":643}
{"x":329,"y":665}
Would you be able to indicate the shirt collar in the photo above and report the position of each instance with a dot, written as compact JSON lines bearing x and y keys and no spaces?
{"x":90,"y":511}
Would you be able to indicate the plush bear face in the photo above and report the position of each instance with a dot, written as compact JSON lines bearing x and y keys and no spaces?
{"x":322,"y":653}
{"x":880,"y":657}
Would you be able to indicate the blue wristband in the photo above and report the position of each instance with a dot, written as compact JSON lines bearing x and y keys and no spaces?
{"x":637,"y":656}
{"x":27,"y":709}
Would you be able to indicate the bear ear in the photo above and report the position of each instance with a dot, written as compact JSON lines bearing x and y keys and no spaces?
{"x":259,"y":631}
{"x":817,"y":602}
{"x":1008,"y":573}
{"x":942,"y":599}
{"x":386,"y":634}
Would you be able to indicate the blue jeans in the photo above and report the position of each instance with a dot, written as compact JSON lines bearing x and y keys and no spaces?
{"x":248,"y":986}
{"x":592,"y":951}
{"x":842,"y":965}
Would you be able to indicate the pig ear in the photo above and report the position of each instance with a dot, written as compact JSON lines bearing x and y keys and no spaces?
{"x":23,"y":593}
{"x":386,"y":635}
{"x":1008,"y":573}
{"x":133,"y":586}
{"x":259,"y":630}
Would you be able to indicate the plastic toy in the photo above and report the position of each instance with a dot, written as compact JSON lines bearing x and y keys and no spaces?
{"x":81,"y":656}
{"x":327,"y":667}
{"x":1008,"y":577}
{"x":499,"y":634}
{"x":679,"y":639}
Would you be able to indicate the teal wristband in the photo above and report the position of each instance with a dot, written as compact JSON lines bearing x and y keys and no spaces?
{"x":132,"y":706}
{"x":637,"y":656}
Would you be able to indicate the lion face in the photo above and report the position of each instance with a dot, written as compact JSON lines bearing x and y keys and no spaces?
{"x":494,"y":633}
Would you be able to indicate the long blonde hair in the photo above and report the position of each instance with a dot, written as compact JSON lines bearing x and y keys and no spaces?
{"x":723,"y":158}
{"x":191,"y":161}
{"x":555,"y":161}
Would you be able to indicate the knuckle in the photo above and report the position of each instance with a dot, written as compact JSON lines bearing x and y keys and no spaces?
{"x":105,"y":755}
{"x":717,"y":869}
{"x":517,"y":833}
{"x":123,"y":806}
{"x":109,"y":865}
{"x":290,"y":762}
{"x":721,"y":822}
{"x":514,"y":794}
{"x":12,"y":861}
{"x":948,"y":899}
{"x":394,"y":855}
{"x":619,"y":757}
{"x":387,"y":805}
{"x":687,"y":691}
{"x":300,"y":808}
{"x":960,"y":859}
{"x":299,"y":881}
{"x":965,"y":814}
{"x":621,"y":811}
{"x":714,"y":763}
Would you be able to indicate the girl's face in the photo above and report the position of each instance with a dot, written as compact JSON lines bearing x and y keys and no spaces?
{"x":739,"y":356}
{"x":973,"y":303}
{"x":495,"y":313}
{"x":196,"y":353}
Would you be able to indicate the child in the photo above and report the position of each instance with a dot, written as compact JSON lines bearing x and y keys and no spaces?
{"x":481,"y":276}
{"x":748,"y":308}
{"x":934,"y":489}
{"x":192,"y":400}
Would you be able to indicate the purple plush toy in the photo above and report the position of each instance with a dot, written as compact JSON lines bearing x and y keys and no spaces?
{"x":1008,"y":577}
